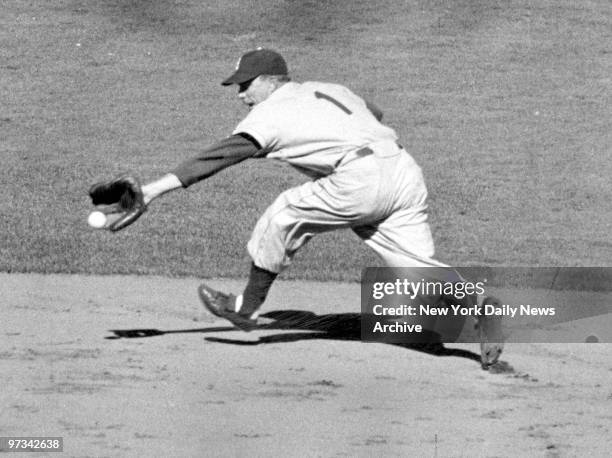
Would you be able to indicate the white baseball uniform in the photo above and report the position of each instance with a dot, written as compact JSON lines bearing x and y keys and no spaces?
{"x":363,"y":179}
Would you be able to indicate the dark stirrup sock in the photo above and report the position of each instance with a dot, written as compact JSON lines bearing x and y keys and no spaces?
{"x":260,"y":281}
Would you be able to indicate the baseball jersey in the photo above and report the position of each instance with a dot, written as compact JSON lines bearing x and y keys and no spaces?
{"x":313,"y":125}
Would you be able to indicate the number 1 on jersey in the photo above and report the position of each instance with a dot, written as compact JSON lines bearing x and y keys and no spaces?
{"x":321,"y":95}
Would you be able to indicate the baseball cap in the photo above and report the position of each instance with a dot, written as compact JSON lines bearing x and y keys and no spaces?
{"x":257,"y":62}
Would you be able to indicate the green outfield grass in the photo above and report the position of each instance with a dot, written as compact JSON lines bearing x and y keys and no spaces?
{"x":505,"y":104}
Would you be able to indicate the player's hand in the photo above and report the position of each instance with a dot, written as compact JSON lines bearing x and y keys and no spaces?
{"x":121,"y":197}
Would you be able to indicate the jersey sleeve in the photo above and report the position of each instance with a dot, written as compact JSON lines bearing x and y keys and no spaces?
{"x":260,"y":125}
{"x":215,"y":158}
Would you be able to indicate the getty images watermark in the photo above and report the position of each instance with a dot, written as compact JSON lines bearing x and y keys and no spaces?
{"x":436,"y":304}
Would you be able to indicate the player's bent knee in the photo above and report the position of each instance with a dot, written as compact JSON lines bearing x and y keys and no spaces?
{"x":275,"y":240}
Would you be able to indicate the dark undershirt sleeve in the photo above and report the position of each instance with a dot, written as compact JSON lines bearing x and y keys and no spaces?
{"x":377,"y":112}
{"x":215,"y":158}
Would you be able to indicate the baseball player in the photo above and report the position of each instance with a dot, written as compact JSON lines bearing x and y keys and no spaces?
{"x":361,"y":179}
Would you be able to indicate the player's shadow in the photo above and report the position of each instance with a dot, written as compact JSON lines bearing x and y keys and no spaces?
{"x":309,"y":326}
{"x":335,"y":326}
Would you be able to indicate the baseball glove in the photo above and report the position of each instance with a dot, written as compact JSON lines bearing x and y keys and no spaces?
{"x":121,"y":197}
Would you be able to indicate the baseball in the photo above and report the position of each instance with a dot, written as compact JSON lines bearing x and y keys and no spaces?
{"x":96,"y":219}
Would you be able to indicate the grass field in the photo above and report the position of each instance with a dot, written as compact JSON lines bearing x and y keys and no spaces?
{"x":505,"y":104}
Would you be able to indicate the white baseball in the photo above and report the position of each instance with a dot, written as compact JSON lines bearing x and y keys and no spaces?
{"x":96,"y":219}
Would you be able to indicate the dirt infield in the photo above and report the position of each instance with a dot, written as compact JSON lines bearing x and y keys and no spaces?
{"x":505,"y":105}
{"x":131,"y":366}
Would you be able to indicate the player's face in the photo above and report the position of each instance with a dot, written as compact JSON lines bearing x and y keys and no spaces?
{"x":255,"y":91}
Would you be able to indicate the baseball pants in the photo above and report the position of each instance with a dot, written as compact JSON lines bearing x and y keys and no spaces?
{"x":377,"y":192}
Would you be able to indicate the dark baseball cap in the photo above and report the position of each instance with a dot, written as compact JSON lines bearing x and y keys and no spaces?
{"x":257,"y":62}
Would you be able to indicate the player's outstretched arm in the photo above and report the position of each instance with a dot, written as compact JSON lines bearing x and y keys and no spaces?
{"x":227,"y":152}
{"x":211,"y":160}
{"x":154,"y":189}
{"x":127,"y":200}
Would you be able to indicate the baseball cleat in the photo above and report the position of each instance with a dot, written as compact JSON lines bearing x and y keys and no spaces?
{"x":490,"y":335}
{"x":224,"y":306}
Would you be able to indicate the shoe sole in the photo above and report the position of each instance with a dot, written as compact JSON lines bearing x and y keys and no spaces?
{"x":240,"y":322}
